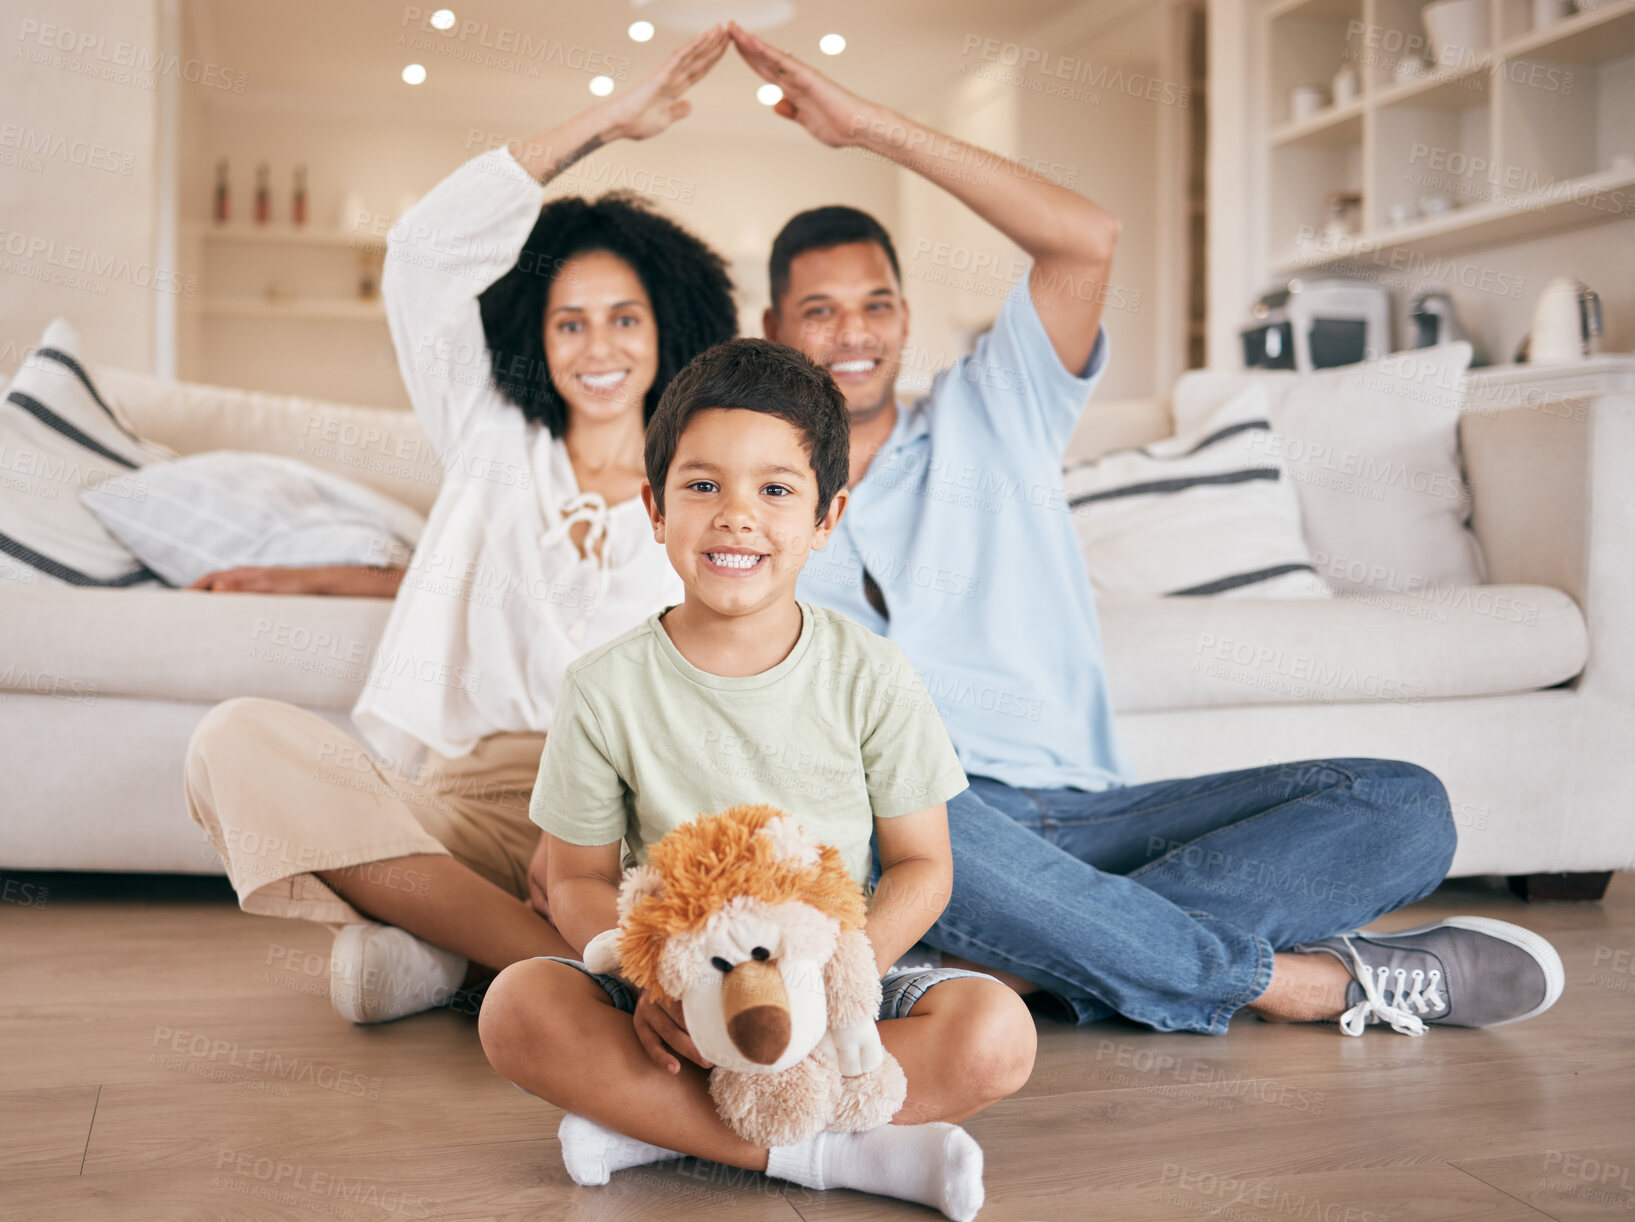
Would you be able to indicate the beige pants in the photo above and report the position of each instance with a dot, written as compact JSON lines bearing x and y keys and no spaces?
{"x":281,"y":793}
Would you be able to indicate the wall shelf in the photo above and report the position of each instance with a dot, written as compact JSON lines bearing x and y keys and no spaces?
{"x":286,"y":235}
{"x":335,"y":309}
{"x":1533,"y":134}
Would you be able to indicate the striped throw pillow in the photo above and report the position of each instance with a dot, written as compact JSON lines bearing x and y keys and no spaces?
{"x":1210,"y":511}
{"x":58,"y":437}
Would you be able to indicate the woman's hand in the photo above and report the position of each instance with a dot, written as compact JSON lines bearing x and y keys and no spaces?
{"x":660,"y":1026}
{"x":656,"y":102}
{"x":832,"y":114}
{"x":352,"y":580}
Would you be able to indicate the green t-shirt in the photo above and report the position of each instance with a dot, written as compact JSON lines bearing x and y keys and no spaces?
{"x":839,"y":733}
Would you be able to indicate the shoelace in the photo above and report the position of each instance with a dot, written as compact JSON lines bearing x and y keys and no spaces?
{"x":1412,"y":993}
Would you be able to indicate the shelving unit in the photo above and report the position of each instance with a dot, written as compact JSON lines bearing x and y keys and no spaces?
{"x":1532,"y":134}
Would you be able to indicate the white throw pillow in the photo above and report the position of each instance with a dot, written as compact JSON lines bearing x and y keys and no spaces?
{"x":1208,"y":511}
{"x":225,"y":509}
{"x":1374,"y":453}
{"x":59,"y":436}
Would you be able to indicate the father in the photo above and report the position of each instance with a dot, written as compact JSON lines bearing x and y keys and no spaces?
{"x":1173,"y":903}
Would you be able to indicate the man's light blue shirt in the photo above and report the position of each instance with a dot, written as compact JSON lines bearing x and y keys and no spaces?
{"x":962,"y":523}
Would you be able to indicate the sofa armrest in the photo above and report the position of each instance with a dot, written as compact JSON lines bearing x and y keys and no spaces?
{"x":382,"y":447}
{"x":1553,"y":505}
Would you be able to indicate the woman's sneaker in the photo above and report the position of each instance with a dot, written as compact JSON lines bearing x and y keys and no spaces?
{"x":379,"y":972}
{"x":1465,"y":971}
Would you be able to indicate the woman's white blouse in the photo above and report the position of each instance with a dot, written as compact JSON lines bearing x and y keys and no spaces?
{"x":497,"y":599}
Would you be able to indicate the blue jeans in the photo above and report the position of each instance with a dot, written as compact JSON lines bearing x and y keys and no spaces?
{"x":1164,"y":902}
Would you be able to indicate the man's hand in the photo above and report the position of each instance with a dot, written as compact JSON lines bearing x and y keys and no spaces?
{"x":656,"y":102}
{"x":811,"y":99}
{"x":661,"y":1027}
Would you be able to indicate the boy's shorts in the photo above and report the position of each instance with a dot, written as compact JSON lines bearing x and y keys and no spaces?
{"x":900,"y":988}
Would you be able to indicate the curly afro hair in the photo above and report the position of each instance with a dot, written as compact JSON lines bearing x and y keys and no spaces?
{"x":686,"y":281}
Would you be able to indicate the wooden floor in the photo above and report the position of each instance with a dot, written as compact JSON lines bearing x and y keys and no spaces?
{"x":164,"y":1056}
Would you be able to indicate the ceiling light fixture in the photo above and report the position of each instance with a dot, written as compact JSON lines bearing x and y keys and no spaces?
{"x":443,"y":19}
{"x":768,"y":95}
{"x":601,"y":86}
{"x":640,"y":31}
{"x":413,"y":74}
{"x":832,"y":44}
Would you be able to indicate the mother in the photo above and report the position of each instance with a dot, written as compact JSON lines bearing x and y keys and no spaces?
{"x":535,"y":342}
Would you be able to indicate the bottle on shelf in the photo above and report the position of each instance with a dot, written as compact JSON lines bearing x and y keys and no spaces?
{"x":298,"y":204}
{"x":220,"y":212}
{"x":263,"y":198}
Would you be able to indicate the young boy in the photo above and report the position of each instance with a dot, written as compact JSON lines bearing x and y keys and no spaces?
{"x":742,"y":694}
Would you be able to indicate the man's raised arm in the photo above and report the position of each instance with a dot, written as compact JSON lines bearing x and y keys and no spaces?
{"x":1071,"y":239}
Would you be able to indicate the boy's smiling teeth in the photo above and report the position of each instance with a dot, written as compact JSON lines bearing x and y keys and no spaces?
{"x":734,"y":560}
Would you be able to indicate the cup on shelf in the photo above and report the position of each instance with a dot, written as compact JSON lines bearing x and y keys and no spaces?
{"x":1459,"y":30}
{"x":1344,"y":85}
{"x":1433,"y":205}
{"x":1400,"y":214}
{"x":1305,"y":101}
{"x":1547,"y":12}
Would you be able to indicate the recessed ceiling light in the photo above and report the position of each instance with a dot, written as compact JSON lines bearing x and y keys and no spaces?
{"x":832,"y":44}
{"x":443,"y":19}
{"x":413,"y":74}
{"x":601,"y":86}
{"x":640,"y":31}
{"x":768,"y":95}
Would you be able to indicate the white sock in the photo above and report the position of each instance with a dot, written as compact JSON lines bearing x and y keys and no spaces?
{"x":592,"y":1153}
{"x":936,"y":1164}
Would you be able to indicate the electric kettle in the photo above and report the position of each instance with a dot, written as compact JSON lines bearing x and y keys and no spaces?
{"x":1566,"y":323}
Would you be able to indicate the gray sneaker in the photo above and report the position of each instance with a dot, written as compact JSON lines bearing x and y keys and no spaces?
{"x":1466,"y":971}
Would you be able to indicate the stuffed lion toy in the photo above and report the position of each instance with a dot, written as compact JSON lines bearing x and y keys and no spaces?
{"x":757,"y":930}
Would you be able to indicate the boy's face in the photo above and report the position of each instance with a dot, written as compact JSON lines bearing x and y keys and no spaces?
{"x":740,"y":510}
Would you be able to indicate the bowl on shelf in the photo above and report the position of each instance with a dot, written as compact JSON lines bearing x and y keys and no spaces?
{"x":1459,"y":30}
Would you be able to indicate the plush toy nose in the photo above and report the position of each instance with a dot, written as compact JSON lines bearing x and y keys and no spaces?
{"x":756,"y":1007}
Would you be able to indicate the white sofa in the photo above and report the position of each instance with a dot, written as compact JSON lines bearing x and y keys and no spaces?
{"x":1529,"y":719}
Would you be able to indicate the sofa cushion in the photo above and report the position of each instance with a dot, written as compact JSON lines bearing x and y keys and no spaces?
{"x":1162,"y":653}
{"x":58,"y":437}
{"x":1374,"y":452}
{"x":1181,"y":653}
{"x":1206,"y":512}
{"x":189,"y":645}
{"x":225,"y":509}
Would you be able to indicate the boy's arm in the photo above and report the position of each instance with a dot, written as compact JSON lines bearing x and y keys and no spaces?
{"x":583,"y":883}
{"x":916,"y":880}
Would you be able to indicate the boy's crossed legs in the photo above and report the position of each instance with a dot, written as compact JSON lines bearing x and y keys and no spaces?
{"x":558,"y":1033}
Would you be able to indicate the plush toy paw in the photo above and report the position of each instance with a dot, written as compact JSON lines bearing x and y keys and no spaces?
{"x":602,"y":952}
{"x":869,"y":1100}
{"x":777,"y":1109}
{"x":856,"y":1049}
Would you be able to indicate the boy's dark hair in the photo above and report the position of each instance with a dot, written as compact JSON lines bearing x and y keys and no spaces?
{"x":759,"y":376}
{"x":818,"y":229}
{"x":686,"y":281}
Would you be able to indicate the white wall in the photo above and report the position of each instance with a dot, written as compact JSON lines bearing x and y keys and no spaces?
{"x":76,"y":230}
